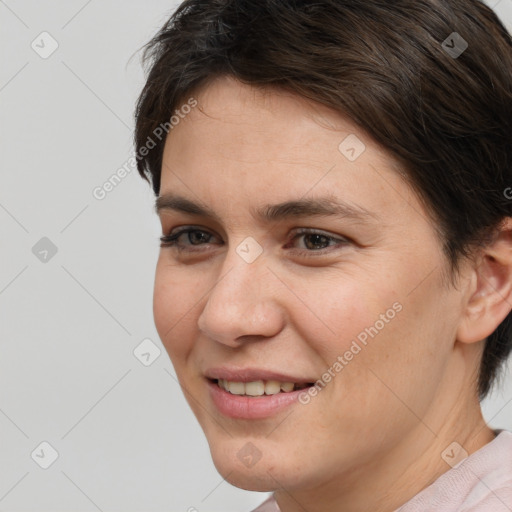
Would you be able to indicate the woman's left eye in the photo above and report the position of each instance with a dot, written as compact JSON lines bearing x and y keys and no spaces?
{"x":313,"y":239}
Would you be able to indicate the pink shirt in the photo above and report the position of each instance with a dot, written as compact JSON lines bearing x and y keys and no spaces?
{"x":481,"y":482}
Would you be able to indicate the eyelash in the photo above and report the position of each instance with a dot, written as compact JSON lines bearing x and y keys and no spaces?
{"x":172,"y":240}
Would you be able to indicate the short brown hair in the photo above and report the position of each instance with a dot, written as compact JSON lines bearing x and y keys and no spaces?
{"x":388,"y":66}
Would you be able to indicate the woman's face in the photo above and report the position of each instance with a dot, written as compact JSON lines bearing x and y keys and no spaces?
{"x":352,"y":299}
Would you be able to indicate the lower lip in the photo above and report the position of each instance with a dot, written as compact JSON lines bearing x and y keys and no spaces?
{"x":250,"y":408}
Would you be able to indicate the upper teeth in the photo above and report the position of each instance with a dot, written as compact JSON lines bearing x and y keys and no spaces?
{"x":258,"y":387}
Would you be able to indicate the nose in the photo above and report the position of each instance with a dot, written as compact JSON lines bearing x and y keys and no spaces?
{"x":243,"y":304}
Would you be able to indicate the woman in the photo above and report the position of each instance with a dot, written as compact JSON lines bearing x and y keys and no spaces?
{"x":334,"y":284}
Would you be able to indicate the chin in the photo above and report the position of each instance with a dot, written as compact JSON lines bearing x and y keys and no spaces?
{"x":250,"y":481}
{"x":241,"y":464}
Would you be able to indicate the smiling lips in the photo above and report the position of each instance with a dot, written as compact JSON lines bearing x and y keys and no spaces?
{"x":253,"y":393}
{"x":258,"y":387}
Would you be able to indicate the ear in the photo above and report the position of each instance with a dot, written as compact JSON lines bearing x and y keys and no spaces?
{"x":490,"y":292}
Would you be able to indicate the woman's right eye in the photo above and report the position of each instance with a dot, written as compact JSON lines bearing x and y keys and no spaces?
{"x":193,"y":235}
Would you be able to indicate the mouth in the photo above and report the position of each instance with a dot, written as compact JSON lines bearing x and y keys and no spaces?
{"x":254,"y":399}
{"x":258,"y":388}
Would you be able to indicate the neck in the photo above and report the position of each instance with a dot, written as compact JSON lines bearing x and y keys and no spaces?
{"x":393,"y":478}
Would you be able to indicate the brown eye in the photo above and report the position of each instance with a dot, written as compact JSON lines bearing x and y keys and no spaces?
{"x":317,"y":242}
{"x":194,"y":237}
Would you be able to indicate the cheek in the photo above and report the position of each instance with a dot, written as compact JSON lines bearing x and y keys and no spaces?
{"x":335,"y":309}
{"x":372,"y":325}
{"x":173,"y":309}
{"x":401,"y":364}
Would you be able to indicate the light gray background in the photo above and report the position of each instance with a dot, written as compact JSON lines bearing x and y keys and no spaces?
{"x":124,"y":434}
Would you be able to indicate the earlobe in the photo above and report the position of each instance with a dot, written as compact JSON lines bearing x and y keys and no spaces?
{"x":490,"y":293}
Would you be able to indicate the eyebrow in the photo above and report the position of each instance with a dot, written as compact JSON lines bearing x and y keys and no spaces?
{"x":317,"y":207}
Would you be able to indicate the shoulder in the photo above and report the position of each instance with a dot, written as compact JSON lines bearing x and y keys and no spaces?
{"x":492,"y":489}
{"x":480,"y":483}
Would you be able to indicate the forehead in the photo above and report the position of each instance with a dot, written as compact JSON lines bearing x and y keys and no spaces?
{"x":265,"y":110}
{"x":272,"y":144}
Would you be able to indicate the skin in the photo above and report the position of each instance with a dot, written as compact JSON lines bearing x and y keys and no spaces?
{"x":373,"y":437}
